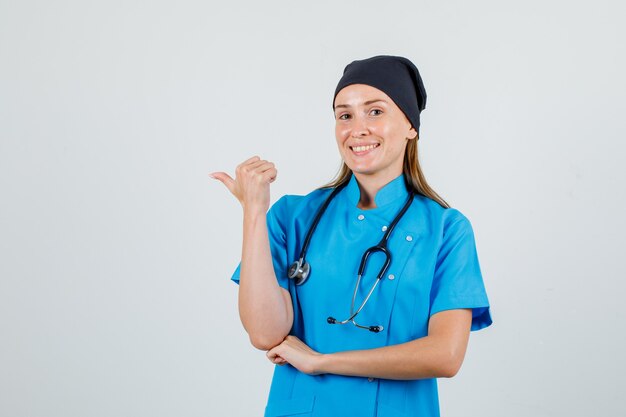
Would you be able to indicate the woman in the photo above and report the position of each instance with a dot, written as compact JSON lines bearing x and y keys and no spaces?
{"x":356,"y":336}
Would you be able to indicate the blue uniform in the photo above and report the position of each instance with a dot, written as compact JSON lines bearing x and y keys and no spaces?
{"x":434,"y":267}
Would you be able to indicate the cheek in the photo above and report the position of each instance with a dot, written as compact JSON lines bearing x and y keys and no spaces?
{"x":394,"y":134}
{"x":382,"y":128}
{"x":341,"y":133}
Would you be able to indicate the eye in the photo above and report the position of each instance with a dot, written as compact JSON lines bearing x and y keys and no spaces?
{"x":376,"y":112}
{"x":344,"y":116}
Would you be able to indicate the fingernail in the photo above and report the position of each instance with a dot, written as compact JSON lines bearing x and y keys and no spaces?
{"x":212,"y":176}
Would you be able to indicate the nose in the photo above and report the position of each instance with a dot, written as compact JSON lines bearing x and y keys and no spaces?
{"x":359,"y":127}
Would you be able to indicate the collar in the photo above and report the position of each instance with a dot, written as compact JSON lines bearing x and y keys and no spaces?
{"x":394,"y":191}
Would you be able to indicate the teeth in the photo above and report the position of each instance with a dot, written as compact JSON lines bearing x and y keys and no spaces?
{"x":363,"y":148}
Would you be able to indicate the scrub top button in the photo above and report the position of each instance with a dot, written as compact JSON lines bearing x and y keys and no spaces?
{"x":384,"y":228}
{"x":370,"y":379}
{"x":409,"y":238}
{"x":392,"y":276}
{"x":360,"y":217}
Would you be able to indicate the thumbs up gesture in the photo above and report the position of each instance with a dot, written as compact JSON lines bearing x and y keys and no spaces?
{"x":251,"y":185}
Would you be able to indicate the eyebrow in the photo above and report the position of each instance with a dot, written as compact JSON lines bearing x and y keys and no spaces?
{"x":367,"y":103}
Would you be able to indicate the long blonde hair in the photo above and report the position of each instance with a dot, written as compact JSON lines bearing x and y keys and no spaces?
{"x":413,"y":175}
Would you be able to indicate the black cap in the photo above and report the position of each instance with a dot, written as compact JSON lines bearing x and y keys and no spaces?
{"x":396,"y":76}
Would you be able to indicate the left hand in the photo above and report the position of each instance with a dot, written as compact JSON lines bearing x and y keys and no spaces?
{"x":295,"y":352}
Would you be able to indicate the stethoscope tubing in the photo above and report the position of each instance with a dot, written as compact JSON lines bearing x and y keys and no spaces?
{"x":300,"y":269}
{"x":380,"y":247}
{"x":317,"y":218}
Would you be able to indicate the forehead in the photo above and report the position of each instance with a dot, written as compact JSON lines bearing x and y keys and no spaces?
{"x":356,"y":94}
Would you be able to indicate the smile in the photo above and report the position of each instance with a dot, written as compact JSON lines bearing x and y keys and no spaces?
{"x":364,"y":148}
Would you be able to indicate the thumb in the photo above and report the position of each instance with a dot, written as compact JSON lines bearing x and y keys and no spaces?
{"x":225,"y":179}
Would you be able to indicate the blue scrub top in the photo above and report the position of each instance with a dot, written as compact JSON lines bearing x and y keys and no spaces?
{"x":434,"y":267}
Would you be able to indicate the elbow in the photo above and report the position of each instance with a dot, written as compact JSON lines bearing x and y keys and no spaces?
{"x":449,"y":371}
{"x":450,"y":366}
{"x":263,"y":342}
{"x":266,"y":338}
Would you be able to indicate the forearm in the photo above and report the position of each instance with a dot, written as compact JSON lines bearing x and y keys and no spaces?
{"x":262,"y":306}
{"x":440,"y":354}
{"x":427,"y":357}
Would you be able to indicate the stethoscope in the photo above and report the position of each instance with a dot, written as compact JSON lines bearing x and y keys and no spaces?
{"x":300,"y":270}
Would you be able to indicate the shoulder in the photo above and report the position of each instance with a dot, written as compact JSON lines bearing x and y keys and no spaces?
{"x":437,"y":219}
{"x":294,"y":205}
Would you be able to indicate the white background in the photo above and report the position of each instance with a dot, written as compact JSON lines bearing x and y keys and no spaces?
{"x":116,"y":250}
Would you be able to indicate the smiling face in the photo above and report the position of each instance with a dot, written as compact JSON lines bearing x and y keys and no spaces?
{"x":372,"y":132}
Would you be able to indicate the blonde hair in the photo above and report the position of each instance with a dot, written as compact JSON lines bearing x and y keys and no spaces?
{"x":413,"y":175}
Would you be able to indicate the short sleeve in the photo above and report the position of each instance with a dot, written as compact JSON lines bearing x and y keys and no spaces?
{"x":458,"y":281}
{"x":276,"y":217}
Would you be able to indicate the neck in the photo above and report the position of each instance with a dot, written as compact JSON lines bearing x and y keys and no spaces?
{"x":369,"y":186}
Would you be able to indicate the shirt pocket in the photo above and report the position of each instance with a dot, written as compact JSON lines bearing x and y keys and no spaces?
{"x":299,"y":406}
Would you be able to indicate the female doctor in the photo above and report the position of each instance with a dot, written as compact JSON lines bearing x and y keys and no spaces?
{"x":364,"y":291}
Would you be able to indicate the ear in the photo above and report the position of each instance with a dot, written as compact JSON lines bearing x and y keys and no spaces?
{"x":412,"y":134}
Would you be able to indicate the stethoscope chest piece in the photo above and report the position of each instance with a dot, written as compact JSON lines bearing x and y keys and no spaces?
{"x":299,"y":271}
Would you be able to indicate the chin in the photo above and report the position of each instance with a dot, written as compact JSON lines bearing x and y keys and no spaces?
{"x":362,"y":170}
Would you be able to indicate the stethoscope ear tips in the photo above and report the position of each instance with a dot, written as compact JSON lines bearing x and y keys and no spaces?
{"x":374,"y":329}
{"x":299,"y":272}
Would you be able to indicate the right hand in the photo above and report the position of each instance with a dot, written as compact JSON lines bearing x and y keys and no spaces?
{"x":251,"y":185}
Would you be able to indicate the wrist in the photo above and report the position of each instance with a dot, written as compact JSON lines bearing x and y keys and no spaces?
{"x":254,"y":213}
{"x":324,"y":363}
